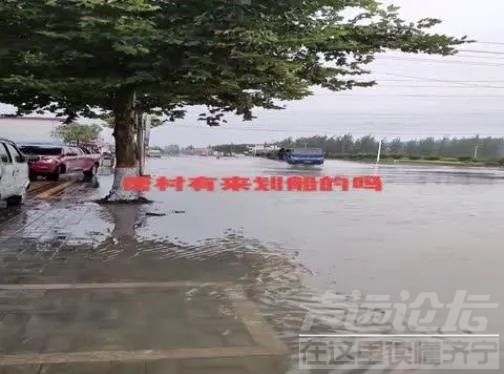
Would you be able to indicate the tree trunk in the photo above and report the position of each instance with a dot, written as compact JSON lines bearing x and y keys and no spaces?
{"x":126,"y":152}
{"x":140,"y":143}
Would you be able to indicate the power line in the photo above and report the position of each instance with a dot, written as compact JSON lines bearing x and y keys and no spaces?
{"x":448,"y":81}
{"x":490,"y":43}
{"x":317,"y":131}
{"x":421,"y":95}
{"x":426,"y":86}
{"x":466,"y":53}
{"x":435,"y":80}
{"x":498,"y":59}
{"x":404,"y":128}
{"x":481,"y":51}
{"x":451,"y":62}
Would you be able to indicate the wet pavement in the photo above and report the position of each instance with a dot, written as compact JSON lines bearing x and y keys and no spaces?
{"x":226,"y":285}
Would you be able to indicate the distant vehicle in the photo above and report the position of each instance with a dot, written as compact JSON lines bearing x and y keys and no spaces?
{"x":154,"y":153}
{"x":107,"y":159}
{"x":14,"y":181}
{"x":51,"y":161}
{"x":304,"y":156}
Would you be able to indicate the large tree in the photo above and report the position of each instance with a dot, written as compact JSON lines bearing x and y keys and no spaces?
{"x":86,"y":57}
{"x":77,"y":133}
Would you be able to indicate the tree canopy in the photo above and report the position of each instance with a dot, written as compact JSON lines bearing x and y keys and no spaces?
{"x":121,"y":57}
{"x":77,"y":133}
{"x":80,"y":56}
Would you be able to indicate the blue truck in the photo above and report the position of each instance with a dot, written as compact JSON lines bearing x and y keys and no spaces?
{"x":303,"y":156}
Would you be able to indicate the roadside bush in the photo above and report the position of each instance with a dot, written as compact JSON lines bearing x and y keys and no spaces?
{"x":359,"y":156}
{"x":396,"y":156}
{"x":355,"y":157}
{"x":432,"y":158}
{"x":501,"y":162}
{"x":414,"y":158}
{"x":336,"y":156}
{"x":464,"y":158}
{"x":494,"y":163}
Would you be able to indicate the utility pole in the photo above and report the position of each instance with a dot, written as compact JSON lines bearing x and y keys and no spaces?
{"x":379,"y":152}
{"x":476,"y":148}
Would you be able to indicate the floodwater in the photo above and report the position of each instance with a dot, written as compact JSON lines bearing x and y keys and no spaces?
{"x":436,"y":230}
{"x":431,"y":230}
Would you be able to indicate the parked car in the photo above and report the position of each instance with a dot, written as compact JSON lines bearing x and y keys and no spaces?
{"x":14,"y":181}
{"x":154,"y":153}
{"x":51,"y":161}
{"x":107,"y":159}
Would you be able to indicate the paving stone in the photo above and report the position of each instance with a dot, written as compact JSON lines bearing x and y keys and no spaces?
{"x":128,"y":367}
{"x":14,"y":321}
{"x":20,"y":369}
{"x":59,"y":344}
{"x":238,"y":339}
{"x":77,"y":368}
{"x":99,"y":340}
{"x":162,"y":367}
{"x":213,"y":366}
{"x":264,"y":365}
{"x":61,"y":321}
{"x":230,"y":370}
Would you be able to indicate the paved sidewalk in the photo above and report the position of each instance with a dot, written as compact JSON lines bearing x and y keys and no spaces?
{"x":79,"y":293}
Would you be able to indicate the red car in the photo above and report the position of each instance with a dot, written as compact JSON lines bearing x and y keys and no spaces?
{"x":51,"y":161}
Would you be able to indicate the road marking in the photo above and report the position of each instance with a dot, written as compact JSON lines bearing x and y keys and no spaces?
{"x":121,"y":285}
{"x":39,"y":186}
{"x":54,"y":190}
{"x":398,"y":335}
{"x":122,"y":356}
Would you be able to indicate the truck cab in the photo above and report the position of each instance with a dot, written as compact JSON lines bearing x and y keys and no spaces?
{"x":304,"y":156}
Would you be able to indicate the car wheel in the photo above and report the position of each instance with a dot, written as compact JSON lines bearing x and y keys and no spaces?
{"x":55,"y":176}
{"x":17,"y":200}
{"x":89,"y":174}
{"x":33,"y":176}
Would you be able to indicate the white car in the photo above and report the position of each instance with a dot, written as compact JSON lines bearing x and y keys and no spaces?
{"x":154,"y":153}
{"x":14,"y":181}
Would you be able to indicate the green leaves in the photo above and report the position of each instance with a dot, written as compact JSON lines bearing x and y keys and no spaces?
{"x":77,"y":56}
{"x":77,"y":133}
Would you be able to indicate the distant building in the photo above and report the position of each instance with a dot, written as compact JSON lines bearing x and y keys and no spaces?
{"x":29,"y":129}
{"x":36,"y":129}
{"x":260,"y":150}
{"x":198,"y":151}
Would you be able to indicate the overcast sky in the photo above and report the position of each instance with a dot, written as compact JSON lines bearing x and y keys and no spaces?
{"x":416,"y":96}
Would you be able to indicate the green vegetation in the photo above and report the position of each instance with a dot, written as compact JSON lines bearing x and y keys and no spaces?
{"x":463,"y":151}
{"x":99,"y":57}
{"x":446,"y":151}
{"x":77,"y":133}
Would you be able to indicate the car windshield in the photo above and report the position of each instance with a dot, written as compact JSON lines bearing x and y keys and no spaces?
{"x":307,"y":151}
{"x":42,"y":151}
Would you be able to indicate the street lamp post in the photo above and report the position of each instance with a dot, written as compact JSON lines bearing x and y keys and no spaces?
{"x":379,"y":152}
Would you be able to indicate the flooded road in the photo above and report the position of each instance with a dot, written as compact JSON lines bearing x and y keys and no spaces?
{"x":434,"y":230}
{"x":430,"y":230}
